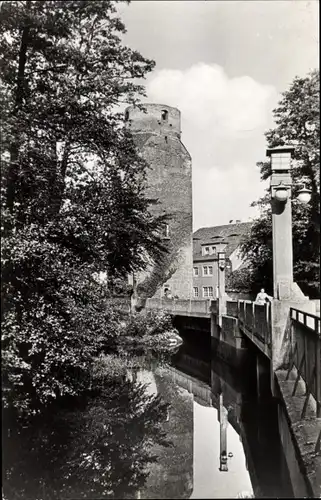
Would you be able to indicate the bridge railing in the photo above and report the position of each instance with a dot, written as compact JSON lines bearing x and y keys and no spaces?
{"x":305,"y":355}
{"x":232,"y":308}
{"x":155,"y":304}
{"x":183,"y":306}
{"x":263,"y":323}
{"x":256,"y":319}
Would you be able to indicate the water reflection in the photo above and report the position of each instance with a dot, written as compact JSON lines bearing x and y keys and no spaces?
{"x":171,"y":476}
{"x":183,"y":426}
{"x":100,"y":448}
{"x":258,"y":465}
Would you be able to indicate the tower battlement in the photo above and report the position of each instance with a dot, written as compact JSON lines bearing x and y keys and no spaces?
{"x":156,"y":119}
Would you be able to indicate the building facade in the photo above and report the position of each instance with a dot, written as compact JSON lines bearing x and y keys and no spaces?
{"x":157,"y":133}
{"x":207,"y":243}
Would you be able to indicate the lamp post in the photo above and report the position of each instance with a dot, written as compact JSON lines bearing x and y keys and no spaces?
{"x":221,"y":274}
{"x":221,"y":285}
{"x":284,"y":287}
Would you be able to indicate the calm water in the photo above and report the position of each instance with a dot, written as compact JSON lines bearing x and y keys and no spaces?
{"x":158,"y":434}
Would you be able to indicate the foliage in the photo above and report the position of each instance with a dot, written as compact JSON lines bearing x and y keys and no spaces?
{"x":101,"y":449}
{"x":239,"y":280}
{"x":73,"y":202}
{"x":149,"y":323}
{"x":120,"y":287}
{"x":297,"y":119}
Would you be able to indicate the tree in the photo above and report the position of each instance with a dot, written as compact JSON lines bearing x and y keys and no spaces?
{"x":297,"y":119}
{"x":73,"y":202}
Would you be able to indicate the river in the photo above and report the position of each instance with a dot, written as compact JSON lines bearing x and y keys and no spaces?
{"x":209,"y":409}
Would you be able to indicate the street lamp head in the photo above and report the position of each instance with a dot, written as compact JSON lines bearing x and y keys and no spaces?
{"x":221,"y":260}
{"x":304,"y":195}
{"x":281,"y":193}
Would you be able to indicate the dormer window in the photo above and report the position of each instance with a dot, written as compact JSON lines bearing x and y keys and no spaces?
{"x":206,"y":250}
{"x":164,"y":115}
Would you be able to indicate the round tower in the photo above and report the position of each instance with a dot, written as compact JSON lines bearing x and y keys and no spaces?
{"x":157,"y":133}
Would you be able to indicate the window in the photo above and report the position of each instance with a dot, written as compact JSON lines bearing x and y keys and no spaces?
{"x":164,"y":115}
{"x":207,"y":291}
{"x":126,"y":116}
{"x":195,"y":271}
{"x":195,"y":291}
{"x":205,"y":250}
{"x":213,"y":249}
{"x":207,"y":270}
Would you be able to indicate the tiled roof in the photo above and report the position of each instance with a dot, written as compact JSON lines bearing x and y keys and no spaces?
{"x":232,"y":234}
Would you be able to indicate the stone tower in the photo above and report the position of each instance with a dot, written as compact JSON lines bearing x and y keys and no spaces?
{"x":157,"y":133}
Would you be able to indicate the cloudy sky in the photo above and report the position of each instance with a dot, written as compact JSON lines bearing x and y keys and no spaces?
{"x":224,"y":65}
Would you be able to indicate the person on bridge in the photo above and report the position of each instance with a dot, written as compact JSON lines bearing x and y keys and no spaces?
{"x":262,"y":298}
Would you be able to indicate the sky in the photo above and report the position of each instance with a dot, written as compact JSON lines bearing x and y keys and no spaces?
{"x":224,"y":65}
{"x":209,"y":481}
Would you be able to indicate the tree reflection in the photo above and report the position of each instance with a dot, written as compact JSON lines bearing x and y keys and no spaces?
{"x":98,"y":449}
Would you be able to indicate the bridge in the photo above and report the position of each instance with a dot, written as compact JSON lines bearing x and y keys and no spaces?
{"x":235,"y":325}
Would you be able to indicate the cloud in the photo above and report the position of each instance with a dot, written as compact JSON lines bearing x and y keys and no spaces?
{"x":220,"y":196}
{"x":223,"y":124}
{"x":212,"y":101}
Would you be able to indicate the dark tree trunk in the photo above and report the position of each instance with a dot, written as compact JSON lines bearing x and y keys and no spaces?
{"x":20,"y":90}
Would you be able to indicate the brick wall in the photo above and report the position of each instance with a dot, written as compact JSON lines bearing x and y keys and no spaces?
{"x":169,"y":180}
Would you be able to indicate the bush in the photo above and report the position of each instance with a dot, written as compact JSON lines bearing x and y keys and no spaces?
{"x":148,"y":323}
